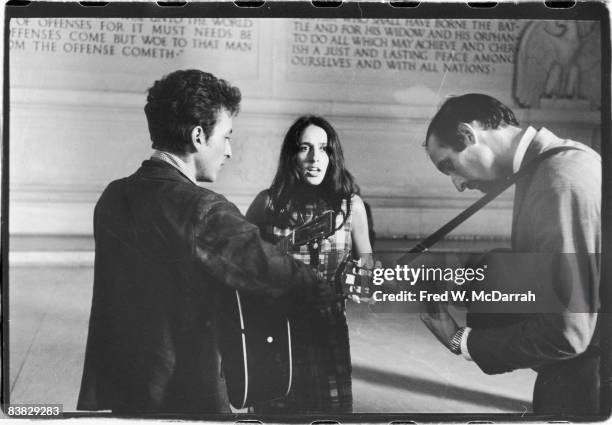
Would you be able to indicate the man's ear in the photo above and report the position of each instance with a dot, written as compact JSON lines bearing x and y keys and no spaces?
{"x":467,"y":133}
{"x":197,"y":136}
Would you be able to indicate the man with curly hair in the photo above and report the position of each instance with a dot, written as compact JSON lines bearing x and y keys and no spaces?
{"x":166,"y":249}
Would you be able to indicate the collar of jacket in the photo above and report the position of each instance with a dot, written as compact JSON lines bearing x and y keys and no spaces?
{"x":543,"y":140}
{"x":158,"y":169}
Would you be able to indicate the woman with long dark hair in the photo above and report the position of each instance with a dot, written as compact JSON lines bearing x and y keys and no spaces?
{"x":311,"y":179}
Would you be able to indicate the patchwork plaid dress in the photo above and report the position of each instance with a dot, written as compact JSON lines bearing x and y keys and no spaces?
{"x":320,"y":340}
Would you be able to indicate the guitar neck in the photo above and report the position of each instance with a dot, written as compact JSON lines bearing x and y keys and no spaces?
{"x":319,"y":228}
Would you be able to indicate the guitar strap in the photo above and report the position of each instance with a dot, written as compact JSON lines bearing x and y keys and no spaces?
{"x":426,"y":243}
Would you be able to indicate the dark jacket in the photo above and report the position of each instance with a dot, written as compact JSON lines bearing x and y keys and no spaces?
{"x":165,"y":251}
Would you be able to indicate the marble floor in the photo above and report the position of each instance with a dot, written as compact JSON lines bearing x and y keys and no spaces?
{"x":397,"y":365}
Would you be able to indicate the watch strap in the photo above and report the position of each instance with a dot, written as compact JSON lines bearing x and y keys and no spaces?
{"x":455,"y":341}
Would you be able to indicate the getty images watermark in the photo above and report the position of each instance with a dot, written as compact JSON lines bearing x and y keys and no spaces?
{"x":406,"y":275}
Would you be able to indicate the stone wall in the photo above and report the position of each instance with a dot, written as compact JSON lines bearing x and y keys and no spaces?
{"x":78,"y":87}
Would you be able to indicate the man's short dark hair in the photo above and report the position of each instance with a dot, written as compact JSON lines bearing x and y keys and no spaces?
{"x":486,"y":110}
{"x":184,"y":99}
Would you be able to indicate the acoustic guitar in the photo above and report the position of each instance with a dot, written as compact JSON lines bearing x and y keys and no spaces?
{"x":255,"y":335}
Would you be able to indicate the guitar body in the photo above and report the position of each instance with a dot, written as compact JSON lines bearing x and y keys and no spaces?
{"x":255,"y":334}
{"x":256,"y":350}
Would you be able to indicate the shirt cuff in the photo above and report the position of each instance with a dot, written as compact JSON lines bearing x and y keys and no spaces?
{"x":464,"y":347}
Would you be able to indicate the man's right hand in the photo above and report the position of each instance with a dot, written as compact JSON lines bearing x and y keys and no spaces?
{"x":440,"y":323}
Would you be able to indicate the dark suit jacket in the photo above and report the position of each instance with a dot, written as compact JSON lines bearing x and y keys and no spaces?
{"x":165,"y":249}
{"x":556,"y":211}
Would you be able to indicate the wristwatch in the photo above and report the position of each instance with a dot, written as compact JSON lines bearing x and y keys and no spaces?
{"x":455,"y":341}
